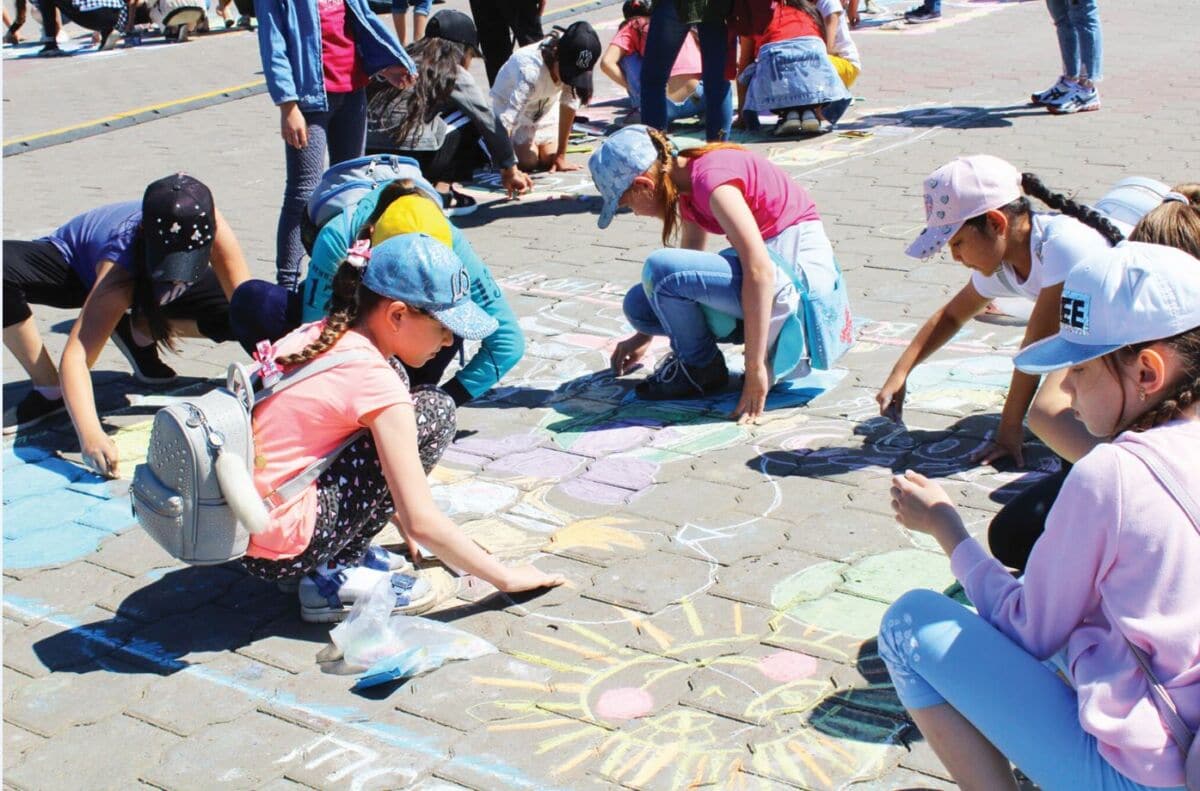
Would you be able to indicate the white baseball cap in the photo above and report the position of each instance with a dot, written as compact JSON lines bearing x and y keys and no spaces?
{"x":960,"y":190}
{"x":1133,"y":293}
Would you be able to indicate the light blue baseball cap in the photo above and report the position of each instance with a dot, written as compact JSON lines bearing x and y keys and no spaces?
{"x":418,"y":270}
{"x":620,"y":159}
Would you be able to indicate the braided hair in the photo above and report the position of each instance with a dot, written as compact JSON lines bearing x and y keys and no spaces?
{"x":351,"y":301}
{"x":664,"y":186}
{"x":1186,"y":393}
{"x":1032,"y":186}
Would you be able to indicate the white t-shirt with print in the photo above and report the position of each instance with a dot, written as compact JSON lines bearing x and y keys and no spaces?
{"x":843,"y":45}
{"x":1056,"y":243}
{"x":525,"y":93}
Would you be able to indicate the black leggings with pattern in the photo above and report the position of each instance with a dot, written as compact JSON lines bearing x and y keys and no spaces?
{"x":353,"y":500}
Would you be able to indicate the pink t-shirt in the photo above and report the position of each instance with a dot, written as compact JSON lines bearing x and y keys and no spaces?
{"x":776,"y":201}
{"x":632,"y":38}
{"x":339,"y":57}
{"x":1118,"y":560}
{"x":308,"y":420}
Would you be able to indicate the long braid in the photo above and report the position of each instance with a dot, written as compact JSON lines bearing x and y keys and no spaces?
{"x":664,"y":186}
{"x":1032,"y":185}
{"x":1186,"y":393}
{"x":343,"y":312}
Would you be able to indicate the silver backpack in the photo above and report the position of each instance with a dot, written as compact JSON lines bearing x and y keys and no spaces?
{"x":195,"y":494}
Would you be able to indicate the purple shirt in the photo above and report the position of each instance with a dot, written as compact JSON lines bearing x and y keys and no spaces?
{"x":1119,"y":559}
{"x":106,"y":233}
{"x":776,"y":201}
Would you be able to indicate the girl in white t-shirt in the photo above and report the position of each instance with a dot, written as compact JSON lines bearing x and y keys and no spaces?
{"x":842,"y":51}
{"x":977,"y":204}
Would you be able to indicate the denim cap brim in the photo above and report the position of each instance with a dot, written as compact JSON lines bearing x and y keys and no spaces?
{"x":466,"y":320}
{"x":932,"y":239}
{"x":1056,"y":352}
{"x":620,"y":159}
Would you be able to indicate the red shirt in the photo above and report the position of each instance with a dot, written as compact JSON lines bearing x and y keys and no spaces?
{"x":339,"y":56}
{"x":787,"y":23}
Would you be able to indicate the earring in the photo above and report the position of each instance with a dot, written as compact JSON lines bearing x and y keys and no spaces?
{"x":1141,"y":394}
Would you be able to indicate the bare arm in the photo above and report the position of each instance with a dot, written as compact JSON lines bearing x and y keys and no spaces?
{"x":692,"y":236}
{"x":831,"y":28}
{"x":105,"y":305}
{"x":610,"y":64}
{"x":729,"y":206}
{"x":228,"y":262}
{"x":395,"y":432}
{"x":566,"y":119}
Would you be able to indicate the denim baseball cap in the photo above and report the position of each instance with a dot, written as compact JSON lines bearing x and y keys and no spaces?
{"x":420,"y":271}
{"x":960,"y":190}
{"x":620,"y":159}
{"x":1133,"y":293}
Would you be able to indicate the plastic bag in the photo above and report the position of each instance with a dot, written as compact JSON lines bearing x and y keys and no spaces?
{"x":392,"y":647}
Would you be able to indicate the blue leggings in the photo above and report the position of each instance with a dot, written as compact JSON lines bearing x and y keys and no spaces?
{"x":938,"y":651}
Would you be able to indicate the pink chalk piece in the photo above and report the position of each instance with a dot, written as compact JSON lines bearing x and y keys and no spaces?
{"x":624,"y":703}
{"x":787,"y":666}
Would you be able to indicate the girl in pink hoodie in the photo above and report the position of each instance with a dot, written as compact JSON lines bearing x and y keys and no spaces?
{"x":1126,"y":520}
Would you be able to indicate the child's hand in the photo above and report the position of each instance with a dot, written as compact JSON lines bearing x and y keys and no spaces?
{"x":100,"y":455}
{"x":629,"y":353}
{"x":891,"y":400}
{"x":527,"y":578}
{"x":754,"y":395}
{"x":924,"y":506}
{"x":398,"y":76}
{"x":292,"y":126}
{"x":516,"y":182}
{"x":1009,"y":441}
{"x":561,"y":165}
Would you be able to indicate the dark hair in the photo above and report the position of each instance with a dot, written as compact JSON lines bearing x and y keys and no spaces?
{"x":1032,"y":186}
{"x":351,"y":300}
{"x":145,"y":307}
{"x":437,"y":62}
{"x":1187,"y":346}
{"x":1173,"y":223}
{"x":810,"y":8}
{"x":549,"y":49}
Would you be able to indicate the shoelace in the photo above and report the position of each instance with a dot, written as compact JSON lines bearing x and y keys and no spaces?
{"x":669,"y":368}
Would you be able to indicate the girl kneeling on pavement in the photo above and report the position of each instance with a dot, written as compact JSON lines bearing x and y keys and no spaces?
{"x":406,"y":301}
{"x":140,"y":271}
{"x":779,"y":248}
{"x":1119,"y":618}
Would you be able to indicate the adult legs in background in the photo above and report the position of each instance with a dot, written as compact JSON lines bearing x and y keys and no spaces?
{"x":718,"y":99}
{"x":1085,"y":20}
{"x":1068,"y":38}
{"x":982,"y":701}
{"x":664,"y":38}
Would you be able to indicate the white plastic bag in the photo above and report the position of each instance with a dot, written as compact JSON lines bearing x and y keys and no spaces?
{"x":392,"y":647}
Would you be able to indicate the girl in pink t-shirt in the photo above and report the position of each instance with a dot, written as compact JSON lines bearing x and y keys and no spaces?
{"x":695,"y":298}
{"x":406,"y":302}
{"x":1120,"y":618}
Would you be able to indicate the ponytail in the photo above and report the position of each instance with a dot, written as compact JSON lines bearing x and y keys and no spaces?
{"x":1033,"y":186}
{"x":664,"y":186}
{"x":350,"y":300}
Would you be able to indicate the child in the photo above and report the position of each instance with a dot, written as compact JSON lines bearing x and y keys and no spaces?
{"x":264,"y":311}
{"x":786,"y":70}
{"x":320,"y":94}
{"x":420,"y":9}
{"x":977,"y":204}
{"x":1077,"y":23}
{"x":530,"y":99}
{"x":1113,"y":575}
{"x":408,"y":301}
{"x":622,"y":63}
{"x":149,"y":257}
{"x":843,"y":53}
{"x":778,"y":242}
{"x":445,"y":117}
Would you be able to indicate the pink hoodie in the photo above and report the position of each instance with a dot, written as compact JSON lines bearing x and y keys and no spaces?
{"x":1117,"y":550}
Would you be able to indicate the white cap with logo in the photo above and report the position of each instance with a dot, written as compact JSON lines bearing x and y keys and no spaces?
{"x":1133,"y":293}
{"x":960,"y":190}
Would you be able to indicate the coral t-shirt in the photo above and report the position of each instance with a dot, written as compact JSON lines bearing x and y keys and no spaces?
{"x":307,"y":421}
{"x":339,"y":57}
{"x":776,"y":201}
{"x":787,"y":23}
{"x":632,"y":38}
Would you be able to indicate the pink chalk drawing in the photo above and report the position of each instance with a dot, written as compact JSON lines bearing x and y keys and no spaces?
{"x":624,"y":703}
{"x":787,"y":666}
{"x":540,"y":463}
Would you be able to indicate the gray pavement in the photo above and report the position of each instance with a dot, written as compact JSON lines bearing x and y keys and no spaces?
{"x":726,"y":582}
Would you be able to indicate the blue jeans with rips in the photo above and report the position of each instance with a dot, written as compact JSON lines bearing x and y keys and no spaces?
{"x":663,"y":41}
{"x":1077,"y":23}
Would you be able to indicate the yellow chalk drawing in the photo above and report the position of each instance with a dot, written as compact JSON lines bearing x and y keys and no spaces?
{"x":600,"y":533}
{"x":132,"y":443}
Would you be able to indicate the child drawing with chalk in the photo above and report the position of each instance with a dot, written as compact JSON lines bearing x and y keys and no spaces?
{"x":978,"y":206}
{"x":405,"y":299}
{"x":756,"y":290}
{"x":1119,"y":618}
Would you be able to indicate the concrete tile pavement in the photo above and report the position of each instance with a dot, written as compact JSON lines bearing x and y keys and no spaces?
{"x":751,"y":563}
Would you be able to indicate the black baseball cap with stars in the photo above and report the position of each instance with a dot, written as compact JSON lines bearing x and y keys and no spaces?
{"x":178,"y":222}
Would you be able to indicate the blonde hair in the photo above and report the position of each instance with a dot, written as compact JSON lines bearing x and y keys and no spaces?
{"x":664,"y":187}
{"x":1173,"y":223}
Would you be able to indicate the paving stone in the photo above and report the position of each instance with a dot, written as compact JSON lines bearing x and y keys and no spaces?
{"x":677,"y":497}
{"x":509,"y":754}
{"x":754,"y":580}
{"x":701,"y":628}
{"x":17,"y":742}
{"x":649,"y":583}
{"x":48,"y":706}
{"x":217,"y":754}
{"x":759,"y":681}
{"x":742,"y":538}
{"x":154,"y":597}
{"x":846,"y":535}
{"x":65,"y":589}
{"x":287,"y":643}
{"x":197,"y":636}
{"x":903,"y":778}
{"x":133,"y":554}
{"x":468,"y":695}
{"x":50,"y":645}
{"x":184,"y":703}
{"x":921,"y":757}
{"x":609,"y":540}
{"x":107,"y":754}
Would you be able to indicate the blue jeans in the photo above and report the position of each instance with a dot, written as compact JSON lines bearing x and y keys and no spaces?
{"x":938,"y":651}
{"x":663,"y":42}
{"x":342,"y":131}
{"x":691,"y":107}
{"x":1077,"y":23}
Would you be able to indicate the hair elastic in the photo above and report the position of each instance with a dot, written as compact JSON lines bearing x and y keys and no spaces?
{"x":1175,"y":197}
{"x":359,"y":254}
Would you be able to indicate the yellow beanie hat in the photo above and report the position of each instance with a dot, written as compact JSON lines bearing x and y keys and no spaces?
{"x":412,"y":214}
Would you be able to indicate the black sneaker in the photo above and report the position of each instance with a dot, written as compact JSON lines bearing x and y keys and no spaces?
{"x":674,"y":379}
{"x":147,"y":368}
{"x":29,"y":411}
{"x":52,"y":50}
{"x":920,"y":15}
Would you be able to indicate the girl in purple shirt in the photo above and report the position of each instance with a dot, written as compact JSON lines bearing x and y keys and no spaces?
{"x":1127,"y":517}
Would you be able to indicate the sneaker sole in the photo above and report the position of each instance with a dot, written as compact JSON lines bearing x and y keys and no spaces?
{"x":1087,"y":108}
{"x":329,"y":614}
{"x":137,"y":372}
{"x":810,"y":125}
{"x":788,"y":128}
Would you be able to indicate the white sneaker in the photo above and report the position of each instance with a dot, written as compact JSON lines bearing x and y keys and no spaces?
{"x":809,"y":123}
{"x":327,"y":595}
{"x":1059,"y":89}
{"x":1078,"y":100}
